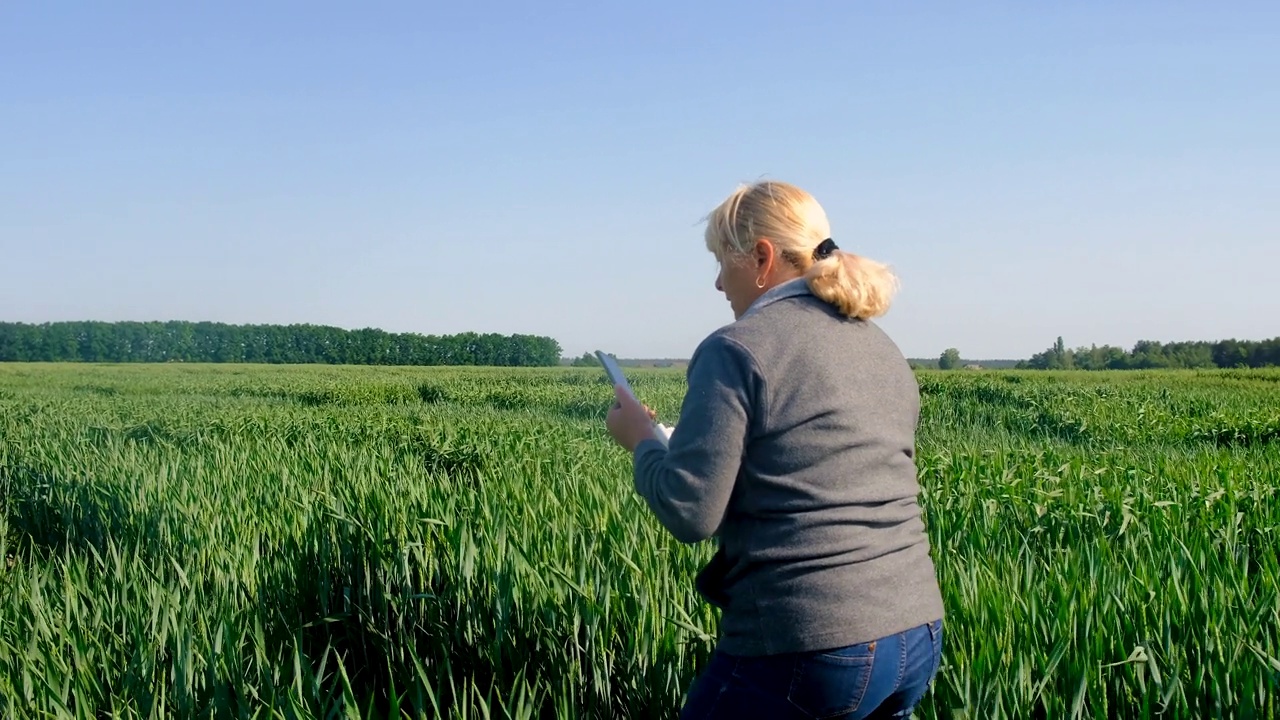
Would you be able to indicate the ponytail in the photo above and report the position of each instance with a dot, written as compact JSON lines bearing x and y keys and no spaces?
{"x":858,"y":287}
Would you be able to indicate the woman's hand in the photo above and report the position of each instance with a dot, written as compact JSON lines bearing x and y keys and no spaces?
{"x":628,"y":421}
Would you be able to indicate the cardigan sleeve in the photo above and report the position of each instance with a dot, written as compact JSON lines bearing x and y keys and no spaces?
{"x":688,"y":484}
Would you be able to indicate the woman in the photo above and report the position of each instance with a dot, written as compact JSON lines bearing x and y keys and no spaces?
{"x":795,"y":446}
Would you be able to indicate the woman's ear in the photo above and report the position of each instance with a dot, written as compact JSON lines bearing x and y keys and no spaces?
{"x":764,"y":252}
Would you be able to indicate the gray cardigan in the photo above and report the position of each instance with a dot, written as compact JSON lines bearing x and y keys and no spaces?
{"x":796,"y":446}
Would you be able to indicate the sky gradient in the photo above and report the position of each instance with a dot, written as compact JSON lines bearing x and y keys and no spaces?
{"x":1104,"y":173}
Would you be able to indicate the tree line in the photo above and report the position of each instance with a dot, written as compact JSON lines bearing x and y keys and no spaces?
{"x":1151,"y":354}
{"x":181,"y":341}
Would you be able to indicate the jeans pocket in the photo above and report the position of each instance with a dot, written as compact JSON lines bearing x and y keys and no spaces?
{"x":832,"y":683}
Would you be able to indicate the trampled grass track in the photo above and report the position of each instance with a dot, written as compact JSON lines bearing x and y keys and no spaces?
{"x":228,"y":541}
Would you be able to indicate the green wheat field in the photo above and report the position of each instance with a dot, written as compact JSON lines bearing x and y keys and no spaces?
{"x":232,"y":541}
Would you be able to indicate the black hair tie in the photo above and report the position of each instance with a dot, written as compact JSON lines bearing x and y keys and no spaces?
{"x":824,"y":249}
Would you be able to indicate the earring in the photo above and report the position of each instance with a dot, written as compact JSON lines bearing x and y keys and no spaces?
{"x":760,"y":283}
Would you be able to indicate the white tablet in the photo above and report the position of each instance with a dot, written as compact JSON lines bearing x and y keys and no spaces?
{"x":614,"y":372}
{"x":663,"y":433}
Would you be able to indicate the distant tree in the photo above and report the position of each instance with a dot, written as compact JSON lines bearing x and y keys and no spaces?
{"x":1153,"y":354}
{"x":1230,"y":353}
{"x":1066,"y":359}
{"x":950,"y":359}
{"x":1057,"y":357}
{"x":219,"y":342}
{"x":1265,"y":353}
{"x":587,"y":360}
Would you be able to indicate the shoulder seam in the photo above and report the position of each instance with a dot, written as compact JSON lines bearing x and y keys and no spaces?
{"x":766,"y":401}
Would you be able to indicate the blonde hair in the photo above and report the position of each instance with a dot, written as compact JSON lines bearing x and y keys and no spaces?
{"x":796,"y":224}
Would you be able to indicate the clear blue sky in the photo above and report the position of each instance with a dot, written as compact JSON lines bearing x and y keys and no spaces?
{"x":1107,"y":172}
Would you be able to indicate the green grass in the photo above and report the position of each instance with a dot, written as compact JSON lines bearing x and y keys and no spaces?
{"x":250,"y":541}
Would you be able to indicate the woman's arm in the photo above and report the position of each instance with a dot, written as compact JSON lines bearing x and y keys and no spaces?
{"x":688,"y":484}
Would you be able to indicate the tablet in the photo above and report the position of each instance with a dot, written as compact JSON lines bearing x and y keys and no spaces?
{"x":662,"y":432}
{"x":614,"y":372}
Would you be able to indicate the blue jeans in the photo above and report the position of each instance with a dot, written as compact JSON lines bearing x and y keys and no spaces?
{"x":885,"y":678}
